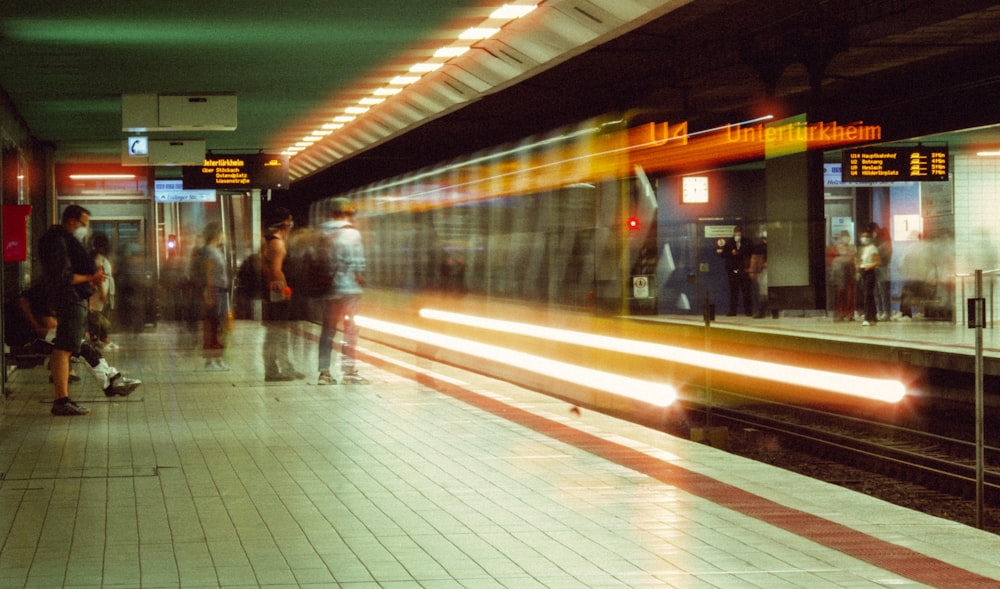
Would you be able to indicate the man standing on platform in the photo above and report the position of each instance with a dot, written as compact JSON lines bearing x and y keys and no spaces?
{"x":735,"y":253}
{"x":277,"y":365}
{"x":340,"y":305}
{"x":868,"y":263}
{"x":69,"y":276}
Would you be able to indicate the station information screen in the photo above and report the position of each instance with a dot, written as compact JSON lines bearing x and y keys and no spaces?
{"x":238,"y":172}
{"x":899,"y":164}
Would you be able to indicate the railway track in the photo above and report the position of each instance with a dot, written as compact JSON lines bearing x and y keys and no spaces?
{"x":929,"y":472}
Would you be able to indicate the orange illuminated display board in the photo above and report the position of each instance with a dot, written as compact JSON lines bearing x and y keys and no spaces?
{"x":899,"y":164}
{"x":238,"y":172}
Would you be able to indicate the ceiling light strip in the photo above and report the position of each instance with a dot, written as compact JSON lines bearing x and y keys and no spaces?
{"x":498,"y":18}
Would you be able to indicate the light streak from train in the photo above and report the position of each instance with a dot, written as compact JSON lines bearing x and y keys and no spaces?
{"x":879,"y":389}
{"x":655,"y":393}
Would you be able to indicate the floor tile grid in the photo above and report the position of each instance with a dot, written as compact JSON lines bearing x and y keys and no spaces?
{"x":226,"y":504}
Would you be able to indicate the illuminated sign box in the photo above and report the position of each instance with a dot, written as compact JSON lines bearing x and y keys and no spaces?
{"x":895,"y":164}
{"x":238,"y":172}
{"x":173,"y":191}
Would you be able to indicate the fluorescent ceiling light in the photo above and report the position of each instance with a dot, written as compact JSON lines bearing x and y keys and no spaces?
{"x":403,"y":80}
{"x":356,"y":110}
{"x":423,"y":68}
{"x":343,"y":119}
{"x":510,"y":12}
{"x":478,"y":33}
{"x":387,"y":91}
{"x":988,"y":153}
{"x":450,"y":51}
{"x":371,"y":101}
{"x":333,"y":126}
{"x":102,"y":176}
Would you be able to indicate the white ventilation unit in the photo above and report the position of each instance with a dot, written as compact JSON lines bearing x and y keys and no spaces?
{"x":178,"y":112}
{"x":186,"y":152}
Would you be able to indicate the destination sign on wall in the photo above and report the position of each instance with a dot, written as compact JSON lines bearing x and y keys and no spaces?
{"x":238,"y":172}
{"x":895,"y":164}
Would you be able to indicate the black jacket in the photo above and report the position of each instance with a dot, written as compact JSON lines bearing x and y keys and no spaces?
{"x":740,"y":261}
{"x":62,"y":256}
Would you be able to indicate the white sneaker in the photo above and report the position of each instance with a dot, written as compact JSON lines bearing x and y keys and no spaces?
{"x":215,"y":364}
{"x":865,"y":324}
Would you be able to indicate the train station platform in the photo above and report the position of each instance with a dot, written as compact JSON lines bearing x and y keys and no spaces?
{"x":426,"y":476}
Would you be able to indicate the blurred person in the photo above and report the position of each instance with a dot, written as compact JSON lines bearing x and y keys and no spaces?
{"x":69,"y":276}
{"x":215,"y":296}
{"x":28,"y":325}
{"x":341,"y":303}
{"x":735,"y":253}
{"x":102,"y":302}
{"x":868,"y":263}
{"x":276,"y":305}
{"x":883,"y":283}
{"x":843,"y":272}
{"x":758,"y":275}
{"x":131,"y":288}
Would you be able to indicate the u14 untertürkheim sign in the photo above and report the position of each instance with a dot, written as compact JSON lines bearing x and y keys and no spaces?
{"x":895,"y":164}
{"x":238,"y":172}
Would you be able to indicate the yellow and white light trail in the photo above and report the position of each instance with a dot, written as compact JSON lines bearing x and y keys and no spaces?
{"x":880,"y":389}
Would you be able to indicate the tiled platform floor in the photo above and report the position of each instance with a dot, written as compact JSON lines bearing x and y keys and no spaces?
{"x":426,"y":477}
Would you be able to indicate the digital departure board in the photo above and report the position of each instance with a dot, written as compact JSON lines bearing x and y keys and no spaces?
{"x":238,"y":172}
{"x":895,"y":164}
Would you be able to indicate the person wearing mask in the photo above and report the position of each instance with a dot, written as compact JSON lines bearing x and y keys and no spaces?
{"x":69,"y":276}
{"x":735,"y":253}
{"x":868,"y":263}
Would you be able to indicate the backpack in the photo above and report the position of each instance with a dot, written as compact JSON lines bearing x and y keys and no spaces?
{"x":196,"y":267}
{"x":249,"y":281}
{"x":316,"y":269}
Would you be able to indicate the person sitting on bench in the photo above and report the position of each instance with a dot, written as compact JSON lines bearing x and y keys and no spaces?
{"x":27,"y":326}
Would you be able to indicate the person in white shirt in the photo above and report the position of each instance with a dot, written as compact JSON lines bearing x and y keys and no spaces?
{"x":868,"y":263}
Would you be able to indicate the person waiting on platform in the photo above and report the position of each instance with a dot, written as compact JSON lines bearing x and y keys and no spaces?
{"x":868,"y":263}
{"x":841,"y":261}
{"x":27,"y":327}
{"x":735,"y":253}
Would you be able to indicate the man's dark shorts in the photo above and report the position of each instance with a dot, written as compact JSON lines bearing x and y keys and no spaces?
{"x":72,"y":326}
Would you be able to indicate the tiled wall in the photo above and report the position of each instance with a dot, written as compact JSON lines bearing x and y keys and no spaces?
{"x":977,"y":223}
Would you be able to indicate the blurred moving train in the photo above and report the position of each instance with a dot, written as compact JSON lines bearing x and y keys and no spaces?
{"x":557,"y":232}
{"x":573,"y":217}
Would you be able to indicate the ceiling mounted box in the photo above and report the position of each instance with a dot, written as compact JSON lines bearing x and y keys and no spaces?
{"x":178,"y":112}
{"x":189,"y":152}
{"x":215,"y":112}
{"x":140,"y":112}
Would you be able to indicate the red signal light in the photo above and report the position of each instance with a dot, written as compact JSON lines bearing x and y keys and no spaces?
{"x":633,"y":224}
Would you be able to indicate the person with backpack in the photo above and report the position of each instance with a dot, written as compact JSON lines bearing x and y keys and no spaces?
{"x":278,"y":366}
{"x":342,"y":297}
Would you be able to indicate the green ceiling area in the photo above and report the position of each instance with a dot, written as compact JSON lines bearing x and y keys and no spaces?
{"x":66,"y":63}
